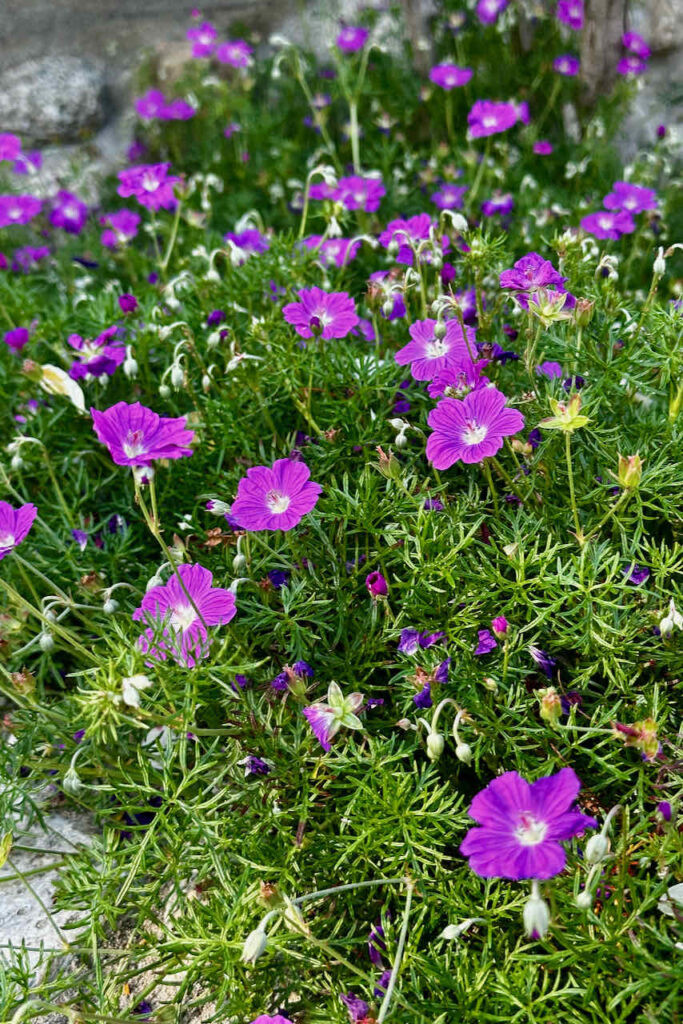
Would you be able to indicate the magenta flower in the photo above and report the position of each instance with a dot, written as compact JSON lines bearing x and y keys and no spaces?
{"x":275,"y":498}
{"x":68,"y":213}
{"x":489,"y":118}
{"x":327,"y":718}
{"x":429,"y":355}
{"x":553,"y":371}
{"x":202,"y":38}
{"x":128,"y":303}
{"x":567,"y":65}
{"x":249,"y":242}
{"x":457,"y":380}
{"x":122,"y":227}
{"x":235,"y":52}
{"x":328,"y":314}
{"x":635,"y":43}
{"x":97,"y":356}
{"x":530,"y":273}
{"x":333,"y":251}
{"x":10,"y":146}
{"x":183,"y":637}
{"x":523,"y":825}
{"x":399,"y":233}
{"x":450,"y":76}
{"x":633,"y":198}
{"x":154,"y":106}
{"x":543,"y":147}
{"x":151,"y":185}
{"x":502,"y":204}
{"x":488,"y":11}
{"x":18,"y":209}
{"x":15,"y":524}
{"x":266,"y":1019}
{"x":357,"y":193}
{"x":472,"y":429}
{"x":609,"y":224}
{"x":449,"y":197}
{"x":28,"y":163}
{"x":25,"y":259}
{"x":16,"y":338}
{"x":136,"y":436}
{"x":631,"y":65}
{"x":376,"y":585}
{"x":570,"y":13}
{"x":499,"y":625}
{"x":352,"y":38}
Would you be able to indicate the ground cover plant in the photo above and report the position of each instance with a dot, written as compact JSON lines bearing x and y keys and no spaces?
{"x":341,"y":540}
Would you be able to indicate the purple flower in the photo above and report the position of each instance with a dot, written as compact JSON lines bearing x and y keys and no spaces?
{"x":458,"y":380}
{"x":255,"y":766}
{"x":28,"y":163}
{"x":449,"y":197}
{"x":98,"y":357}
{"x":127,"y":303}
{"x":202,"y":38}
{"x":16,"y":338}
{"x":472,"y":429}
{"x":81,"y":538}
{"x":18,"y":209}
{"x":235,"y":52}
{"x":631,"y":65}
{"x":570,"y":13}
{"x":486,"y":642}
{"x":450,"y":76}
{"x":489,"y":10}
{"x":250,"y":242}
{"x":488,"y":117}
{"x":352,"y":38}
{"x":632,"y":198}
{"x":184,"y":637}
{"x":10,"y":146}
{"x":530,"y":273}
{"x":376,"y":585}
{"x":398,"y":233}
{"x":357,"y":1007}
{"x":636,"y":574}
{"x":441,"y":671}
{"x":423,"y":699}
{"x":544,"y":660}
{"x":357,"y":193}
{"x":433,"y":505}
{"x":499,"y":625}
{"x":279,"y":578}
{"x":15,"y":524}
{"x":664,"y":808}
{"x":122,"y":226}
{"x":330,"y":314}
{"x":381,"y":986}
{"x":567,"y":65}
{"x":635,"y":43}
{"x":550,"y":370}
{"x":333,"y":251}
{"x":275,"y":498}
{"x":430,"y":355}
{"x":264,"y":1018}
{"x":151,"y":185}
{"x":523,"y":825}
{"x":502,"y":204}
{"x":543,"y":147}
{"x":327,"y":718}
{"x":608,"y":224}
{"x":68,"y":213}
{"x":215,"y":317}
{"x":136,"y":436}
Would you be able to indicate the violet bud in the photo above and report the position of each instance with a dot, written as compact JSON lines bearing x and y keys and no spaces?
{"x":499,"y":625}
{"x":128,"y":303}
{"x":376,"y":585}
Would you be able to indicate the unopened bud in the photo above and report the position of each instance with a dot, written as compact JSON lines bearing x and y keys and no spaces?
{"x":584,"y":900}
{"x":130,"y":366}
{"x":239,"y":563}
{"x":177,"y":376}
{"x":583,"y":312}
{"x":164,"y":391}
{"x":46,"y":642}
{"x":254,"y":946}
{"x":597,"y":848}
{"x":435,"y":745}
{"x":110,"y":606}
{"x":536,"y":917}
{"x":551,"y":705}
{"x":659,"y":265}
{"x":71,"y":782}
{"x":439,"y":330}
{"x":17,"y":462}
{"x":490,"y":683}
{"x":206,"y":383}
{"x":630,"y":471}
{"x":463,"y":752}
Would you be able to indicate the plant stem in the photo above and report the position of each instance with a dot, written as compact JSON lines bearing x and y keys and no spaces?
{"x":572,"y":494}
{"x":20,"y":874}
{"x":386,"y":1002}
{"x":355,"y":148}
{"x":172,"y":239}
{"x":489,"y":479}
{"x":480,"y":170}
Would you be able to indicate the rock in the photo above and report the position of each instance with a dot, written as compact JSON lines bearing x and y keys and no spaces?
{"x":53,"y":98}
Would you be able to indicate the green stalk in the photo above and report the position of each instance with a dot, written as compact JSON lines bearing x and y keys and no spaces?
{"x":386,"y":1002}
{"x":572,"y":494}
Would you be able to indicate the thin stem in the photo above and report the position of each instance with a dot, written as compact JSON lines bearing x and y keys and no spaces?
{"x":572,"y":494}
{"x":172,"y":239}
{"x":20,"y":874}
{"x":489,"y":480}
{"x":58,"y":490}
{"x":51,"y":625}
{"x":355,"y":147}
{"x":610,"y":512}
{"x":449,"y":117}
{"x":480,"y":170}
{"x":347,"y":888}
{"x":386,"y":1002}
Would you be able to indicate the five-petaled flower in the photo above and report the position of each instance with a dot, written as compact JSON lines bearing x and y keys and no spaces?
{"x":275,"y":498}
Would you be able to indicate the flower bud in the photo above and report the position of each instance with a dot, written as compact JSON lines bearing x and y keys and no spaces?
{"x":597,"y":848}
{"x":401,"y":441}
{"x":584,"y":900}
{"x":177,"y":376}
{"x":239,"y":563}
{"x":435,"y":745}
{"x":659,"y":265}
{"x":164,"y":391}
{"x":17,"y":462}
{"x":130,"y":366}
{"x":551,"y":705}
{"x":463,"y":752}
{"x":110,"y":606}
{"x":630,"y":471}
{"x":206,"y":383}
{"x":46,"y":642}
{"x":387,"y":307}
{"x":71,"y":782}
{"x":254,"y":946}
{"x":499,"y":625}
{"x":216,"y":508}
{"x":583,"y":312}
{"x":376,"y":585}
{"x":490,"y":683}
{"x":388,"y":466}
{"x":536,"y":917}
{"x":439,"y":330}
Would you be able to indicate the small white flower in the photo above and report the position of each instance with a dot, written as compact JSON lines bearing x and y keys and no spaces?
{"x":131,"y":686}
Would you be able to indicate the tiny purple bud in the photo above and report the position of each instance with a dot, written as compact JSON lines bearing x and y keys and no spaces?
{"x":376,"y":584}
{"x":664,"y":808}
{"x":499,"y":625}
{"x":128,"y":303}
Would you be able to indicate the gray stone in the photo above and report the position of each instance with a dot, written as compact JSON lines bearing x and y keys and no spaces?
{"x":52,"y":98}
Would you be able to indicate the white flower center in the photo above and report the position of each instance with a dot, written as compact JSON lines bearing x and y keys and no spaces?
{"x":277,"y":501}
{"x":489,"y":122}
{"x":474,"y":433}
{"x":134,"y":444}
{"x":91,"y":350}
{"x":14,"y":213}
{"x":150,"y":182}
{"x":436,"y":348}
{"x":605,"y":223}
{"x":530,"y":831}
{"x":323,"y":316}
{"x":6,"y":540}
{"x":630,"y":203}
{"x":182,"y":617}
{"x":70,"y":212}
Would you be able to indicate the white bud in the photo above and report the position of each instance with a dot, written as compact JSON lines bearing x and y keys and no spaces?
{"x":399,"y":424}
{"x":17,"y":462}
{"x":50,"y":615}
{"x":217,"y":508}
{"x":463,"y":752}
{"x":46,"y":642}
{"x":435,"y":745}
{"x":254,"y":946}
{"x":659,"y":265}
{"x":406,"y":724}
{"x":164,"y":391}
{"x":110,"y":606}
{"x":239,"y":563}
{"x":177,"y":376}
{"x":130,"y":366}
{"x":439,"y":330}
{"x":206,"y":382}
{"x":71,"y":781}
{"x":153,"y":581}
{"x":585,"y":899}
{"x":213,"y":339}
{"x":536,"y":917}
{"x":401,"y":441}
{"x":387,"y":307}
{"x":597,"y":849}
